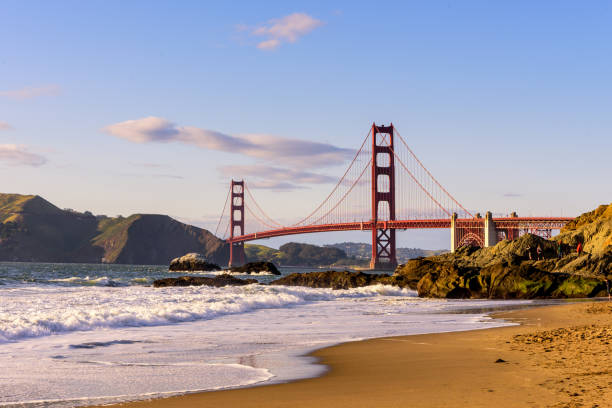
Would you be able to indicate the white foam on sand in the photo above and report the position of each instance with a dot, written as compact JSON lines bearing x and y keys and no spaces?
{"x":110,"y":344}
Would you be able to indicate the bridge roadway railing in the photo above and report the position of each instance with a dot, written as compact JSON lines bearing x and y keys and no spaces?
{"x":517,"y":223}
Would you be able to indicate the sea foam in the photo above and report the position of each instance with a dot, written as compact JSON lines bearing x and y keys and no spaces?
{"x":28,"y":313}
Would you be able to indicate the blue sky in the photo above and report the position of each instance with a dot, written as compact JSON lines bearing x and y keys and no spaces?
{"x":124,"y":107}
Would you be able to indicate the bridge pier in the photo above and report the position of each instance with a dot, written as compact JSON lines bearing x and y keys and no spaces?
{"x":490,"y":232}
{"x":237,"y":256}
{"x":453,"y":232}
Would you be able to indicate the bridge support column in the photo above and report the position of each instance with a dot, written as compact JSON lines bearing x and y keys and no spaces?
{"x":237,"y":256}
{"x":490,"y":232}
{"x":453,"y":231}
{"x":383,"y":198}
{"x":513,"y":233}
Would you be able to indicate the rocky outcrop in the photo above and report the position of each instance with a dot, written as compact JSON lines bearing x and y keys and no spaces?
{"x":217,"y":281}
{"x":193,"y":262}
{"x":333,"y":279}
{"x":506,"y":281}
{"x":512,"y":270}
{"x":257,"y":267}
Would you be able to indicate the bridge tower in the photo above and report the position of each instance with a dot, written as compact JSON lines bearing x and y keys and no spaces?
{"x":237,"y":256}
{"x":383,"y":198}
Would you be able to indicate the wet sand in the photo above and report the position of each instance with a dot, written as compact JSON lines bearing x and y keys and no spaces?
{"x":560,"y":356}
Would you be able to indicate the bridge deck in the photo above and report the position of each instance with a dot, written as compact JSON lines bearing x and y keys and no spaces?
{"x":501,"y":223}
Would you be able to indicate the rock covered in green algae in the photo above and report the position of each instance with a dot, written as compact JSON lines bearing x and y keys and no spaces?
{"x":217,"y":281}
{"x":257,"y":267}
{"x":334,"y":279}
{"x":506,"y":281}
{"x":506,"y":271}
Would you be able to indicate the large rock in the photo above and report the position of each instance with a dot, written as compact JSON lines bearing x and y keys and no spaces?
{"x":506,"y":281}
{"x":333,"y":279}
{"x":507,"y":271}
{"x":410,"y":273}
{"x":217,"y":281}
{"x":257,"y":267}
{"x":193,"y":262}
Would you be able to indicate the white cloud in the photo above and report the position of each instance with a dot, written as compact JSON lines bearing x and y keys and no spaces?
{"x":19,"y":155}
{"x":274,"y":185}
{"x":287,"y":29}
{"x":298,"y":153}
{"x":31,"y":92}
{"x":275,"y":178}
{"x":5,"y":126}
{"x":269,"y":44}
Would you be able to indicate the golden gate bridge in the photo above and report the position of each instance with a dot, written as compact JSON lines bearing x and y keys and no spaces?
{"x":384,"y":189}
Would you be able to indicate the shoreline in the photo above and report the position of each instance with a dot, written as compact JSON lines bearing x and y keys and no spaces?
{"x":542,"y":364}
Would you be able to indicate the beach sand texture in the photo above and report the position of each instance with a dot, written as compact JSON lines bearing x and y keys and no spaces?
{"x":560,"y":356}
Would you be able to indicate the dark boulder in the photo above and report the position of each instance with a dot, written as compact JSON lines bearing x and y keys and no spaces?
{"x":506,"y":281}
{"x":332,"y":279}
{"x":217,"y":281}
{"x":257,"y":267}
{"x":412,"y":271}
{"x":193,"y":262}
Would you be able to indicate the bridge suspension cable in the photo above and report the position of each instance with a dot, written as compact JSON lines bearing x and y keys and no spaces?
{"x":246,"y":187}
{"x":223,"y":212}
{"x":246,"y":207}
{"x":340,"y":182}
{"x":418,"y":194}
{"x":418,"y":183}
{"x":367,"y":166}
{"x":429,"y":174}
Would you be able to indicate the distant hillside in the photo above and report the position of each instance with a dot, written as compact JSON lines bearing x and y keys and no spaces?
{"x":295,"y":254}
{"x":34,"y":230}
{"x":342,"y":254}
{"x":364,"y":251}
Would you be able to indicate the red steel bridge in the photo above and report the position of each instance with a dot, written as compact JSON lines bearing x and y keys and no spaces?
{"x":384,"y":189}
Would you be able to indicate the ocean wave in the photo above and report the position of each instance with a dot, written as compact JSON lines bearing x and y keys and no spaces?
{"x":48,"y":312}
{"x":79,"y":280}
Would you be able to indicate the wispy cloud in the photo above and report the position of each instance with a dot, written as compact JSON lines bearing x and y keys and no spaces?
{"x":279,"y":186}
{"x":19,"y":155}
{"x":169,"y":176}
{"x":275,"y":178}
{"x":511,"y":195}
{"x":149,"y":165}
{"x":300,"y":153}
{"x":161,"y":175}
{"x":287,"y":29}
{"x":31,"y":92}
{"x":5,"y":126}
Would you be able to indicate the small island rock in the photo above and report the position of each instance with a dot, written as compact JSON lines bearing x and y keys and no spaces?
{"x":333,"y":279}
{"x":257,"y":267}
{"x":217,"y":281}
{"x":193,"y":262}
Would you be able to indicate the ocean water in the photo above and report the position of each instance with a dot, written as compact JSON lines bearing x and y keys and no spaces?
{"x":82,"y":334}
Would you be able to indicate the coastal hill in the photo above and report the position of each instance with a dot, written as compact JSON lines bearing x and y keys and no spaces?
{"x":34,"y":230}
{"x":295,"y":254}
{"x":364,"y":251}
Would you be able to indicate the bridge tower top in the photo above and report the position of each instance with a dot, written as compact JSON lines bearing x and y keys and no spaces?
{"x":237,"y":255}
{"x":383,"y":197}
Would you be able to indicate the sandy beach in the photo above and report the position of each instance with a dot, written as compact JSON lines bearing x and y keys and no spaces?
{"x":559,"y":356}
